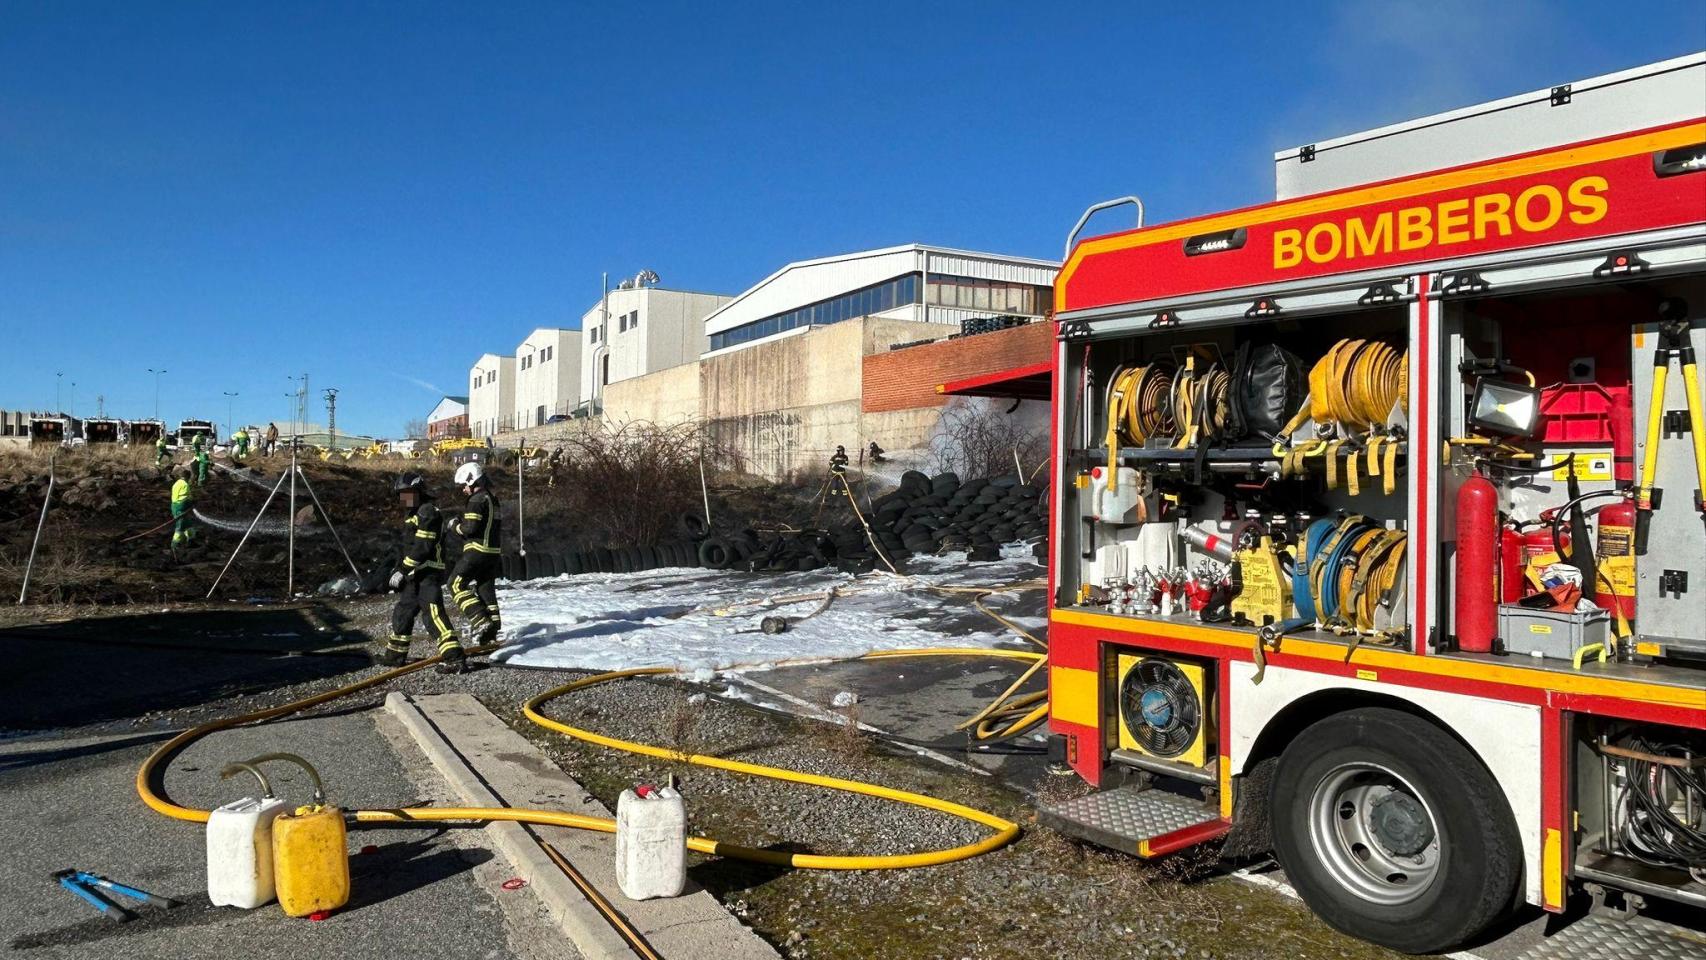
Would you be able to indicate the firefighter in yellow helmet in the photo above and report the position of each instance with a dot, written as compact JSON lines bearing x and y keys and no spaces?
{"x":419,"y":579}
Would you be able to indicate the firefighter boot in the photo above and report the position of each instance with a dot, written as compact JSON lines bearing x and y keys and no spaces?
{"x":395,"y":653}
{"x":451,"y":658}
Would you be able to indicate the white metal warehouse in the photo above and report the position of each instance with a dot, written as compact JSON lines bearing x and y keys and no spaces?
{"x":911,"y":282}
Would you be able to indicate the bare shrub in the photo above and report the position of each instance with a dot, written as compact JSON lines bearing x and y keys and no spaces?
{"x":630,"y":484}
{"x":980,"y":440}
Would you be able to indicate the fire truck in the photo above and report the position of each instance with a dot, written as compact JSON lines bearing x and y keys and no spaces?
{"x":1379,"y":540}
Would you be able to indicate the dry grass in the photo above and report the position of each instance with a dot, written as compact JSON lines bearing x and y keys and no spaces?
{"x":629,"y":484}
{"x":980,"y":441}
{"x":60,"y":575}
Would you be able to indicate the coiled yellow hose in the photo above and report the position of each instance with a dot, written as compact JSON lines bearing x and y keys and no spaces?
{"x":150,"y":776}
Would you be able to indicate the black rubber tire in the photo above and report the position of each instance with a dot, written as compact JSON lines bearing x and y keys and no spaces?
{"x":621,"y":561}
{"x":603,"y":560}
{"x":1480,"y":858}
{"x":572,"y":564}
{"x":716,"y":554}
{"x":694,"y":527}
{"x":512,"y":569}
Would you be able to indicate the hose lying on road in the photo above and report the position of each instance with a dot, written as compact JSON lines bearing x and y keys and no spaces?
{"x":150,"y":777}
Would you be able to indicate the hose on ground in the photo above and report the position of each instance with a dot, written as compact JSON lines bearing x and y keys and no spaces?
{"x":151,"y":775}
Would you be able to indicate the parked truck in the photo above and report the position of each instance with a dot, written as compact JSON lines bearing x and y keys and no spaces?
{"x":1379,"y":539}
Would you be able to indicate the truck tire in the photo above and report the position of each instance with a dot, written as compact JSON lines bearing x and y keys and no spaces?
{"x":1392,"y":831}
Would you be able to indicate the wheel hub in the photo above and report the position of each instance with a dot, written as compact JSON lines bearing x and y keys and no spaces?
{"x":1400,"y":824}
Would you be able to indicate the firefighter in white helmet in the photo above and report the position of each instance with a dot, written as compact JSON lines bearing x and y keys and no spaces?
{"x":472,"y":582}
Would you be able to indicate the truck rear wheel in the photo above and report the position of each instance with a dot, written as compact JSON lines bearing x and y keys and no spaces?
{"x":1392,"y":831}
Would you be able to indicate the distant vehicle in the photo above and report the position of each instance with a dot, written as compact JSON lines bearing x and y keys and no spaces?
{"x":101,"y":431}
{"x":47,"y":431}
{"x":188,"y":429}
{"x":559,"y":418}
{"x":145,"y":432}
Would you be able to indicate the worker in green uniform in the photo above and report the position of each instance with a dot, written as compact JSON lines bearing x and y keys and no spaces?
{"x":240,"y":445}
{"x":183,"y":513}
{"x":162,"y":453}
{"x":199,"y":445}
{"x":419,"y":579}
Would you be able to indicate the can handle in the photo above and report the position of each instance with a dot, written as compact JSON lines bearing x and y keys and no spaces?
{"x":313,"y":774}
{"x":239,"y":766}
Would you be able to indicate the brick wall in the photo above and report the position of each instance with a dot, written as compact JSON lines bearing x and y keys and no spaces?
{"x":904,"y":379}
{"x":448,"y":427}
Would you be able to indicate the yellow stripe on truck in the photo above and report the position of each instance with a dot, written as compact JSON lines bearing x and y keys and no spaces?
{"x":1073,"y":696}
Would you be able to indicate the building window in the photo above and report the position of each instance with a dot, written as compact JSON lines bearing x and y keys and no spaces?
{"x":547,"y":354}
{"x":634,"y":320}
{"x":878,"y":298}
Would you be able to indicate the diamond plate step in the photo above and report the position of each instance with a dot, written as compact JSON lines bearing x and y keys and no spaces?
{"x":1143,"y":822}
{"x":1639,"y":938}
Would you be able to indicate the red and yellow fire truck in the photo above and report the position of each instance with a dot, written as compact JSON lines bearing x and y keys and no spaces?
{"x":1379,"y":534}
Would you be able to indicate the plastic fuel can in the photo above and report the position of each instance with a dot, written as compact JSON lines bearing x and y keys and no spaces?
{"x":651,"y":843}
{"x":239,"y":852}
{"x":311,"y":860}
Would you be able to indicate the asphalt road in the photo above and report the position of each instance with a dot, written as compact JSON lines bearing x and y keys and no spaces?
{"x":72,"y":803}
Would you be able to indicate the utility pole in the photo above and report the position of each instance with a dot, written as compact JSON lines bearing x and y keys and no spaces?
{"x":156,"y":374}
{"x":58,"y":392}
{"x":100,"y":406}
{"x":331,"y":395}
{"x":229,"y":394}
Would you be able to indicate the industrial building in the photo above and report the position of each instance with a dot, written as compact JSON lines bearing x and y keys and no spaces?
{"x":491,"y":395}
{"x":448,"y":420}
{"x":912,"y":283}
{"x":639,"y":328}
{"x":547,"y":376}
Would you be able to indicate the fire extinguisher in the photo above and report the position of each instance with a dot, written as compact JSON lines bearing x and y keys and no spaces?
{"x":1477,"y":593}
{"x":1615,"y":590}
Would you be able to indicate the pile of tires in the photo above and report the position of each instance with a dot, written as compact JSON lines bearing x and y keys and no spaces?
{"x":683,"y":551}
{"x":934,"y":515}
{"x":926,"y":515}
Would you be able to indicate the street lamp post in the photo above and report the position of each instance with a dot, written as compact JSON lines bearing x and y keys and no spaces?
{"x":229,"y":394}
{"x":157,"y":374}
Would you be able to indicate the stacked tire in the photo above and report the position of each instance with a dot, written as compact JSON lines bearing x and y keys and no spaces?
{"x":933,"y":515}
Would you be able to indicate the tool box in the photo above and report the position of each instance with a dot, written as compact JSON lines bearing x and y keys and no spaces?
{"x":1557,"y":634}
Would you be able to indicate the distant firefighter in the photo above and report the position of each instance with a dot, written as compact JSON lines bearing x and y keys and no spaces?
{"x":183,"y":512}
{"x":419,"y":579}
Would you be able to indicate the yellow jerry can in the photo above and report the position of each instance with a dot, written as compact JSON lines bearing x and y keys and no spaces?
{"x":310,"y":852}
{"x":310,"y":860}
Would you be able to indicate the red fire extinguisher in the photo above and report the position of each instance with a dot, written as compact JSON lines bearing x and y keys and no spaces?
{"x":1477,"y":593}
{"x":1615,"y":545}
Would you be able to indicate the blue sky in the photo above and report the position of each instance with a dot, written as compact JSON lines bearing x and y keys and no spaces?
{"x":377,"y":193}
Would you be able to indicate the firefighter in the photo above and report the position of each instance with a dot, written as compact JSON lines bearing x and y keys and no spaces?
{"x":162,"y":453}
{"x":472,"y":585}
{"x":419,"y":580}
{"x":838,"y":463}
{"x":555,"y":464}
{"x":183,"y":514}
{"x":240,"y":445}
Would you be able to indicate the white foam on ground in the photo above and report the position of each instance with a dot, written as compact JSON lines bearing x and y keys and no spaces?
{"x":672,"y":617}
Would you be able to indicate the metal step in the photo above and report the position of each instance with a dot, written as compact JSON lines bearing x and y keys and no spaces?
{"x":1639,"y":938}
{"x":1135,"y":820}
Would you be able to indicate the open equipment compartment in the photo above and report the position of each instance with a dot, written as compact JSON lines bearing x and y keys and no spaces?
{"x":1203,"y":505}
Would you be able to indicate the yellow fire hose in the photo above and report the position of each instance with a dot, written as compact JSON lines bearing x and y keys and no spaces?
{"x":150,"y":776}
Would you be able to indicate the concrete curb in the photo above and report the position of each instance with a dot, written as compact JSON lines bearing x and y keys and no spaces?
{"x":479,"y":755}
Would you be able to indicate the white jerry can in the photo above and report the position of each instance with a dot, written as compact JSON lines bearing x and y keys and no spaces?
{"x":239,"y":852}
{"x":651,"y":843}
